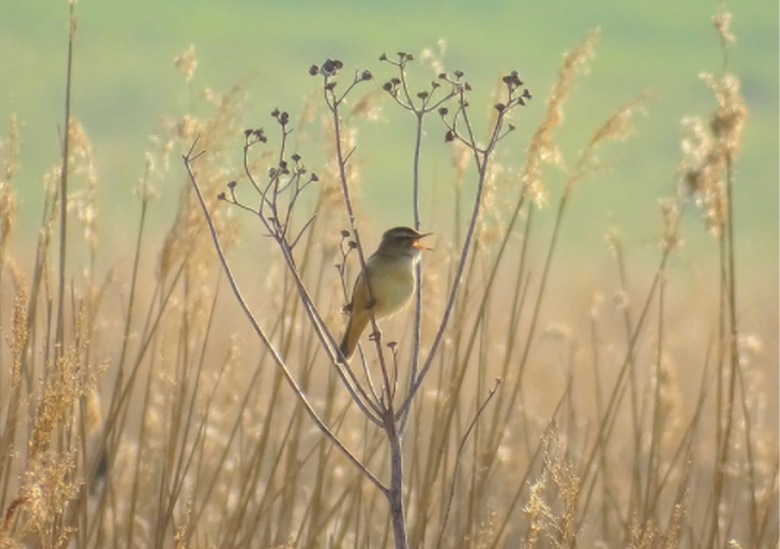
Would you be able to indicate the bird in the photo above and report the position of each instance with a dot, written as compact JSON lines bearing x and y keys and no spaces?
{"x":390,"y":271}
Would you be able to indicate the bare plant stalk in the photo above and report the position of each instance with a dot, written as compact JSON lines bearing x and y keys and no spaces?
{"x":516,"y":96}
{"x":189,"y":159}
{"x":427,"y":102}
{"x":276,"y":214}
{"x":459,"y":456}
{"x":60,"y":330}
{"x":394,"y":493}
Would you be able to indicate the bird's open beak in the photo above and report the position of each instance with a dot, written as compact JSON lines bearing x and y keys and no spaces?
{"x":420,"y":246}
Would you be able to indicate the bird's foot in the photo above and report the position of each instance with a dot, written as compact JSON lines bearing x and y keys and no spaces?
{"x":376,"y":335}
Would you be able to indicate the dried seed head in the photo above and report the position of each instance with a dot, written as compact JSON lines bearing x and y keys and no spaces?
{"x":728,"y":119}
{"x":671,"y":214}
{"x":722,"y":22}
{"x":187,"y":62}
{"x":596,"y":304}
{"x":329,"y":67}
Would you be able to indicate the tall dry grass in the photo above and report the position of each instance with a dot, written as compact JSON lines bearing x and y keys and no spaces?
{"x":138,"y":408}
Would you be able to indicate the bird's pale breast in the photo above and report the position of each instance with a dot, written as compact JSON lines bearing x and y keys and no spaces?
{"x":391,"y":285}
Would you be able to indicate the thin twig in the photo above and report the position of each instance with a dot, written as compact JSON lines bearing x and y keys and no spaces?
{"x":459,"y":456}
{"x":278,"y":360}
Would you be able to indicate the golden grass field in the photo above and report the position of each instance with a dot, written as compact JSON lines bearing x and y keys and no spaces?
{"x":618,"y":396}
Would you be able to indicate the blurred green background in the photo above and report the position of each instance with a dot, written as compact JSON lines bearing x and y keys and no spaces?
{"x":124,"y":81}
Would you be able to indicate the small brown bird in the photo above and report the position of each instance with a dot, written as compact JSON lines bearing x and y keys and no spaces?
{"x":391,"y":277}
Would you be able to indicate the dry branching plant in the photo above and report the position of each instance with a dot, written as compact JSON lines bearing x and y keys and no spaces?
{"x":274,"y":204}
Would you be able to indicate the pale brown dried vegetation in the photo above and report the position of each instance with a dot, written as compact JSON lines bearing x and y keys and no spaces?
{"x":631,"y":411}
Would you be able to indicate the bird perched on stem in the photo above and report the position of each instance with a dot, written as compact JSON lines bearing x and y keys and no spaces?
{"x":386,"y":285}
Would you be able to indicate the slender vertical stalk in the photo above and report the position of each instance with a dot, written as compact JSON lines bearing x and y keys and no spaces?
{"x":60,"y":329}
{"x":395,"y":490}
{"x":418,"y":266}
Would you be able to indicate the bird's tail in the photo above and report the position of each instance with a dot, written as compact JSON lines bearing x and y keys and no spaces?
{"x":357,"y":323}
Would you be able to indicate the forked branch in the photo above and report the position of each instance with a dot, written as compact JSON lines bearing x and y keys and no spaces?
{"x":189,"y":158}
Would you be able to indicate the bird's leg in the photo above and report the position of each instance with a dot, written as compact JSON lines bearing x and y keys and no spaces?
{"x":375,"y":335}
